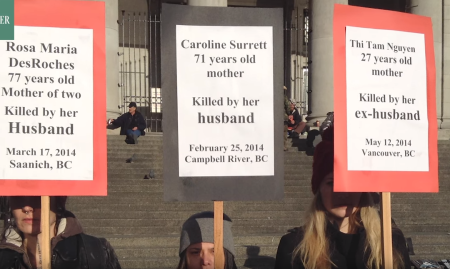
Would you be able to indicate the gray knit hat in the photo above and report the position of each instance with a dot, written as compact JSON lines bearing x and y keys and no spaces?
{"x":200,"y":228}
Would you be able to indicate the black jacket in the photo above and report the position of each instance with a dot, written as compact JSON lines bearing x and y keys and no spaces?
{"x":125,"y":120}
{"x":71,"y":249}
{"x":297,"y":118}
{"x":289,"y":241}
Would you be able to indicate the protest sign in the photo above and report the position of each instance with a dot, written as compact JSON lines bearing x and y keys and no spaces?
{"x":385,"y":107}
{"x":222,"y":89}
{"x":53,"y":100}
{"x":385,"y":104}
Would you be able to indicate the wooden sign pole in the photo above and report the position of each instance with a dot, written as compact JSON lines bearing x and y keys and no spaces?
{"x":219,"y":259}
{"x":45,"y":232}
{"x":386,"y":230}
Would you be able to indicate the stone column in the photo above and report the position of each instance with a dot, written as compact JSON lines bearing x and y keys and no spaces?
{"x":433,"y":9}
{"x":321,"y":57}
{"x":112,"y":59}
{"x":208,"y":3}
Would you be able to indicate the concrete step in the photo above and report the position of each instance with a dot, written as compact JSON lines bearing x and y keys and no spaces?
{"x":135,"y":207}
{"x":126,"y":180}
{"x":427,"y":238}
{"x":122,"y":241}
{"x":151,"y":185}
{"x":173,"y":222}
{"x":146,"y":189}
{"x":411,"y":225}
{"x":82,"y":208}
{"x":114,"y":229}
{"x":423,"y":228}
{"x":158,"y":215}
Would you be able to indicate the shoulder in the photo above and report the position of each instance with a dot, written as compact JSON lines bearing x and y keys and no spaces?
{"x":9,"y":256}
{"x":124,"y":115}
{"x":6,"y":249}
{"x":289,"y":241}
{"x":398,"y":238}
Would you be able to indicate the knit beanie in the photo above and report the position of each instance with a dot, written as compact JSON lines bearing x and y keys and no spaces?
{"x":323,"y":163}
{"x":200,"y":228}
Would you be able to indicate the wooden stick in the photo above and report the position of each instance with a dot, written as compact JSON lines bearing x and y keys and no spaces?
{"x":219,"y":259}
{"x":45,"y":232}
{"x":386,"y":230}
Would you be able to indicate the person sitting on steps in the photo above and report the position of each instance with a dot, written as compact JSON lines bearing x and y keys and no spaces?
{"x":132,"y":124}
{"x":295,"y":124}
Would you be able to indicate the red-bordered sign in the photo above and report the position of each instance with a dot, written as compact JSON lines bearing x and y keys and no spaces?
{"x":381,"y":181}
{"x":82,"y":15}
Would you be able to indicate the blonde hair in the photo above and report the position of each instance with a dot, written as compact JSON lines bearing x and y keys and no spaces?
{"x":314,"y":248}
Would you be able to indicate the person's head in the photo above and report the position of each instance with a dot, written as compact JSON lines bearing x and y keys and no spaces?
{"x":292,"y":106}
{"x":132,"y":107}
{"x":338,"y":205}
{"x":197,"y":242}
{"x":329,"y":208}
{"x":25,"y":213}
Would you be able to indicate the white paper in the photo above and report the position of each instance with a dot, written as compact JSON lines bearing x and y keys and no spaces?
{"x":386,"y":100}
{"x":46,"y":82}
{"x":211,"y":67}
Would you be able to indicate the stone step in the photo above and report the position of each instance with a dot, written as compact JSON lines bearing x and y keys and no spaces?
{"x":173,"y":222}
{"x":81,"y":204}
{"x":82,"y":208}
{"x":159,"y":196}
{"x":290,"y":198}
{"x":424,"y":228}
{"x":135,"y":207}
{"x":409,"y":224}
{"x":147,"y":189}
{"x":256,"y":212}
{"x":114,"y":201}
{"x":126,"y":180}
{"x":289,"y":180}
{"x":175,"y":230}
{"x":427,"y":238}
{"x":157,"y":215}
{"x":174,"y":241}
{"x":428,"y":249}
{"x":150,"y":185}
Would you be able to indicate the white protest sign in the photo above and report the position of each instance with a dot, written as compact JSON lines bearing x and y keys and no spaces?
{"x":46,"y":101}
{"x":225,"y":101}
{"x":386,"y":100}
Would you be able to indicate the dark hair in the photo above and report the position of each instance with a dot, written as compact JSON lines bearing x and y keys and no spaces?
{"x":229,"y":260}
{"x":59,"y":207}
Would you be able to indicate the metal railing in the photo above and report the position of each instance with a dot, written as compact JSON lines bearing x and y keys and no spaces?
{"x":140,"y":66}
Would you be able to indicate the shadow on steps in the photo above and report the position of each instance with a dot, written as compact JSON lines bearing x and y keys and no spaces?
{"x":255,"y":261}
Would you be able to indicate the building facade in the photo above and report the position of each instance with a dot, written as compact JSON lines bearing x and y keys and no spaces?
{"x":133,"y":57}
